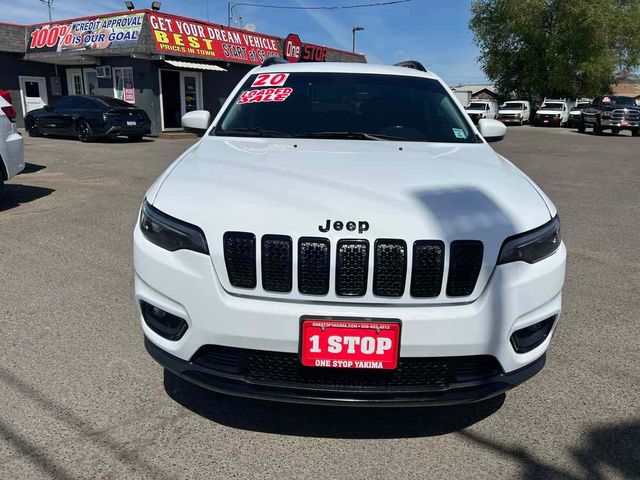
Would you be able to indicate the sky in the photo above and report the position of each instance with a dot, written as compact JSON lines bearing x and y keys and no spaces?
{"x":434,"y":32}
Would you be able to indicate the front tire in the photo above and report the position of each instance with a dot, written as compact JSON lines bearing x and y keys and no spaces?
{"x":597,"y":128}
{"x":615,"y":131}
{"x":635,"y":132}
{"x":135,"y":138}
{"x":84,"y":131}
{"x":1,"y":191}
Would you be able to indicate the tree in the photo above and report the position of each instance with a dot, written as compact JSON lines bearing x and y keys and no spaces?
{"x":561,"y":48}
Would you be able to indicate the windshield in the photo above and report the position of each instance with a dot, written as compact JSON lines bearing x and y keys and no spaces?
{"x":615,"y":100}
{"x":552,"y":106}
{"x":345,"y":106}
{"x":477,"y":106}
{"x":513,"y":105}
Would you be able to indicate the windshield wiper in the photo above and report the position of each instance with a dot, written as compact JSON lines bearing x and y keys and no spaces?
{"x":250,"y":132}
{"x":349,"y":136}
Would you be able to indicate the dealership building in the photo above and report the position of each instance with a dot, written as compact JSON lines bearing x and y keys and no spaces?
{"x":166,"y":64}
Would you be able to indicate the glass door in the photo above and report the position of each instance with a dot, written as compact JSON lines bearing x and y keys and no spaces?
{"x":190,"y":91}
{"x":91,"y":82}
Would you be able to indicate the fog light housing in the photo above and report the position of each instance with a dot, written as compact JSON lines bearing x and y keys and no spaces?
{"x":163,"y":323}
{"x":528,"y":338}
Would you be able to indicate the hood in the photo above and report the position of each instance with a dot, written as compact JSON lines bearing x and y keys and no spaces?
{"x":549,"y":111}
{"x":474,"y":110}
{"x":403,"y":190}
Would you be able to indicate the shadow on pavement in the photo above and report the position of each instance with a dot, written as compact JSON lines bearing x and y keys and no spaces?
{"x":16,"y":195}
{"x":611,"y":449}
{"x":326,"y":422}
{"x":32,"y":168}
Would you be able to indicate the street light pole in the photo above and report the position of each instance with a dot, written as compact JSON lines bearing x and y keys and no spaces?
{"x":353,"y":33}
{"x":49,"y":4}
{"x":230,"y":7}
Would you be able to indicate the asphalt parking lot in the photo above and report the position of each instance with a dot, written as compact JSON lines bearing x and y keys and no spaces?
{"x":80,"y":397}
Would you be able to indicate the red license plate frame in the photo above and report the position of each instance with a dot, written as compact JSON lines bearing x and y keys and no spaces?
{"x":375,"y":353}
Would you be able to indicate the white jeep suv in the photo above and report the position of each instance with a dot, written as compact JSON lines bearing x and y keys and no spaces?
{"x":344,"y":234}
{"x":11,"y":142}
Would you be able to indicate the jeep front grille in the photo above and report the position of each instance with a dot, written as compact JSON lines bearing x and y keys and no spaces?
{"x":240,"y":258}
{"x":352,"y":267}
{"x":428,"y":265}
{"x":389,"y":268}
{"x":390,"y":263}
{"x":276,"y":263}
{"x":466,"y":261}
{"x":313,"y":266}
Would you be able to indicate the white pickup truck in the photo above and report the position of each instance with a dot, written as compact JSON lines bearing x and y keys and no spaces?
{"x":11,"y":142}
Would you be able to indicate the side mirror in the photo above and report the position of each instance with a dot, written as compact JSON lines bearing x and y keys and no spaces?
{"x":48,"y":108}
{"x":492,"y":130}
{"x":197,"y":121}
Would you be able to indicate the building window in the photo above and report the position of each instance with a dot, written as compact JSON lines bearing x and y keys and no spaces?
{"x":123,"y":87}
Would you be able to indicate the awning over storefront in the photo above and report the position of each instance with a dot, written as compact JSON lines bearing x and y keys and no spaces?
{"x":195,"y":65}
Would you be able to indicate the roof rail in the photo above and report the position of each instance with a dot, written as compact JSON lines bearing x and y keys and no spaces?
{"x":273,"y":61}
{"x":411,"y":64}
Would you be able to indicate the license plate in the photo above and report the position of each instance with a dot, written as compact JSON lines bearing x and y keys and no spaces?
{"x":546,"y":121}
{"x":350,"y":343}
{"x":624,"y":123}
{"x":131,"y":123}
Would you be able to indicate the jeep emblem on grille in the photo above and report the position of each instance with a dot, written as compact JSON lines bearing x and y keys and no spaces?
{"x":362,"y":226}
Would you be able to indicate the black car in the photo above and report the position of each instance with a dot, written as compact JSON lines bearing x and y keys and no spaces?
{"x":88,"y":117}
{"x":614,"y":112}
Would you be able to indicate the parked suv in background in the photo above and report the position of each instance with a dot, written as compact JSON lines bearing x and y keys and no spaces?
{"x":89,"y":117}
{"x":11,"y":143}
{"x":479,"y":109}
{"x":613,"y":112}
{"x":575,"y":115}
{"x":516,"y":111}
{"x":552,"y":112}
{"x":343,"y":234}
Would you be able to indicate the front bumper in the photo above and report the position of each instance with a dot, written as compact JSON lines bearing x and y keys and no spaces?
{"x":517,"y":120}
{"x":238,"y":385}
{"x":548,"y":122}
{"x":185,"y":284}
{"x":123,"y":130}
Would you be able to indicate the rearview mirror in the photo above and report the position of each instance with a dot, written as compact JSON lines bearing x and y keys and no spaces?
{"x":196,"y":121}
{"x":48,"y":108}
{"x":492,"y":130}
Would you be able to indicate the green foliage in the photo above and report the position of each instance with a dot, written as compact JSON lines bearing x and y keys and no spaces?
{"x":560,"y":48}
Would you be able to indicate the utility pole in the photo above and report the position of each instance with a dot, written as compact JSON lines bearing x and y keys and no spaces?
{"x":49,"y":4}
{"x":353,"y":33}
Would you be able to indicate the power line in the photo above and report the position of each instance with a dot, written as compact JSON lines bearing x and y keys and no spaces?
{"x":331,"y":7}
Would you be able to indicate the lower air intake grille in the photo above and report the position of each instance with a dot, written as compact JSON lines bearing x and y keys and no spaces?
{"x":313,"y":266}
{"x":276,"y":263}
{"x":390,"y":268}
{"x":262,"y":367}
{"x":352,"y":266}
{"x":240,"y":258}
{"x":464,"y":267}
{"x":426,"y":272}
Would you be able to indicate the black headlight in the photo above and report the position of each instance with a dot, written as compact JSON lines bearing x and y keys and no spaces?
{"x":532,"y":246}
{"x":170,"y":233}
